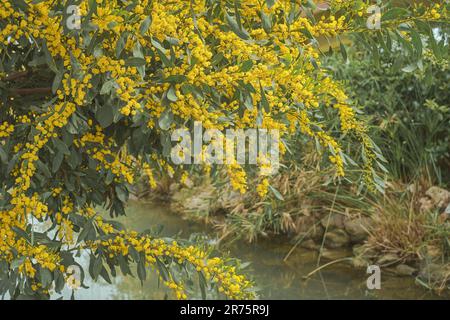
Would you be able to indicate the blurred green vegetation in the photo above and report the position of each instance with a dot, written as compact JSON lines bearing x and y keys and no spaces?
{"x":409,"y":106}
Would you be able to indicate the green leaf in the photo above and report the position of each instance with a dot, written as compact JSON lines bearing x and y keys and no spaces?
{"x":270,"y":3}
{"x":122,"y":193}
{"x":16,"y":263}
{"x":343,"y":51}
{"x":97,"y":267}
{"x":134,"y":254}
{"x":20,"y":4}
{"x":105,"y":275}
{"x":264,"y":102}
{"x":157,"y":45}
{"x":394,"y":13}
{"x":266,"y":22}
{"x":123,"y":264}
{"x":246,"y":66}
{"x":202,"y":284}
{"x":417,"y":42}
{"x":59,"y":281}
{"x":410,"y":68}
{"x":235,"y":27}
{"x":164,"y":273}
{"x":43,"y":168}
{"x":142,"y":273}
{"x":276,"y":193}
{"x":49,"y":58}
{"x":107,"y":87}
{"x":135,"y":62}
{"x":61,"y":146}
{"x":121,"y":44}
{"x":57,"y":81}
{"x":3,"y":156}
{"x":22,"y":233}
{"x":160,"y":50}
{"x":85,"y":231}
{"x":314,"y":63}
{"x":310,"y":4}
{"x":306,"y":33}
{"x":57,"y":161}
{"x":166,"y":119}
{"x":105,"y":116}
{"x":218,"y":57}
{"x":434,"y":45}
{"x":145,"y":25}
{"x":176,"y":78}
{"x":46,"y":277}
{"x":171,"y":94}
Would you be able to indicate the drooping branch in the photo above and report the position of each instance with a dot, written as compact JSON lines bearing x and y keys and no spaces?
{"x":30,"y":91}
{"x":17,"y":75}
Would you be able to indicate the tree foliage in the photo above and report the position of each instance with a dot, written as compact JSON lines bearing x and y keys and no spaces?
{"x":85,"y":109}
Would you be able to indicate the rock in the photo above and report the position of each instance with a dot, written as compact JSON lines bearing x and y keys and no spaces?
{"x":174,"y":187}
{"x":333,"y":221}
{"x":435,"y":272}
{"x":360,"y":262}
{"x":405,"y":270}
{"x":444,"y":217}
{"x":336,"y":239}
{"x":308,"y":228}
{"x":412,"y":188}
{"x":439,"y":196}
{"x":358,"y":228}
{"x":434,"y":251}
{"x":335,"y":254}
{"x":388,"y":258}
{"x":435,"y":198}
{"x":317,"y":232}
{"x":309,"y":244}
{"x":426,"y":204}
{"x":364,"y":251}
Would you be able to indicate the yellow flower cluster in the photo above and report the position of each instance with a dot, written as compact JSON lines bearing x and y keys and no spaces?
{"x":56,"y":118}
{"x":148,"y":172}
{"x":126,"y":93}
{"x":433,"y":12}
{"x":263,"y":187}
{"x":6,"y":10}
{"x":234,"y":286}
{"x":107,"y":228}
{"x":100,"y":148}
{"x":177,"y":288}
{"x":6,"y":129}
{"x":65,"y":232}
{"x":25,"y":205}
{"x":104,"y":19}
{"x":238,"y":177}
{"x":282,"y":73}
{"x":75,"y":89}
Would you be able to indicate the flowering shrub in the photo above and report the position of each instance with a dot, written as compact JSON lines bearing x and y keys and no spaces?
{"x":90,"y":96}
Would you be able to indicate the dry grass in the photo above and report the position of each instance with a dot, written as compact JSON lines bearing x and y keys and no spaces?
{"x":404,"y":233}
{"x":402,"y":229}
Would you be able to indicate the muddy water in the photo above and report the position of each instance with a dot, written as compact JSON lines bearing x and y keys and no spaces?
{"x":275,"y":278}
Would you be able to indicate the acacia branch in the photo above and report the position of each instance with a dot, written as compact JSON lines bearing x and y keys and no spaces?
{"x":16,"y":75}
{"x":30,"y":91}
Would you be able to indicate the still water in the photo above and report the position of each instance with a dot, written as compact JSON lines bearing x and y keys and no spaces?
{"x":275,"y":278}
